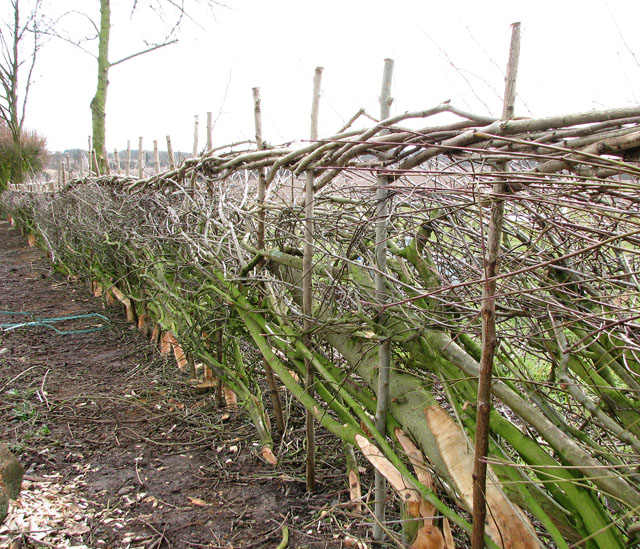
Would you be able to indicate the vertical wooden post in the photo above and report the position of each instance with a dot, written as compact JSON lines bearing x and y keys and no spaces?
{"x":488,"y":314}
{"x":67,"y":158}
{"x":196,"y":124}
{"x":90,"y":157}
{"x":508,"y":106}
{"x":209,"y":131}
{"x":194,"y":175}
{"x":128,"y":168}
{"x":141,"y":159}
{"x":307,"y":285}
{"x":156,"y":157}
{"x":105,"y":155}
{"x":384,"y":350}
{"x":116,"y":161}
{"x":94,"y":157}
{"x":257,"y":115}
{"x":172,"y":159}
{"x":271,"y":379}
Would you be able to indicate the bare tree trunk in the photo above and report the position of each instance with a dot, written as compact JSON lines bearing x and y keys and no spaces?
{"x":99,"y":101}
{"x":14,"y":125}
{"x":12,"y":107}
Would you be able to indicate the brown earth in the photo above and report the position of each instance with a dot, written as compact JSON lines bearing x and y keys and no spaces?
{"x":120,"y":451}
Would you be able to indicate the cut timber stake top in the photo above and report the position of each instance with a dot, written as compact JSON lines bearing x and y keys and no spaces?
{"x":512,"y":74}
{"x":172,"y":159}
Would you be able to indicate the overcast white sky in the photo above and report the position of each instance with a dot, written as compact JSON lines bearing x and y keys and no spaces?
{"x":575,"y":56}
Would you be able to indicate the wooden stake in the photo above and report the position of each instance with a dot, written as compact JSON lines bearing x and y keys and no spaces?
{"x":156,"y":157}
{"x":384,"y":350}
{"x":128,"y":168}
{"x":94,"y":156}
{"x":209,"y":131}
{"x":196,"y":123}
{"x":116,"y":160}
{"x":90,"y":157}
{"x":141,"y":159}
{"x":105,"y":155}
{"x":172,"y":160}
{"x":307,"y":285}
{"x":488,"y":315}
{"x":271,"y":379}
{"x":257,"y":115}
{"x":508,"y":106}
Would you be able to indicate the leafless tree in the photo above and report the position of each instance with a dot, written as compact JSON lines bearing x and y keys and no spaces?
{"x":170,"y":12}
{"x":20,"y":42}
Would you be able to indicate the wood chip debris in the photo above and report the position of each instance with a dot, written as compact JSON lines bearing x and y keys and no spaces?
{"x":49,"y":511}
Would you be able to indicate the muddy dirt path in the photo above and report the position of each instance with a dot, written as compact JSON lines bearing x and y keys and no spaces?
{"x":119,"y":451}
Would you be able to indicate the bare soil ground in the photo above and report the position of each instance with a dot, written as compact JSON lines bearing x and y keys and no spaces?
{"x":120,"y":451}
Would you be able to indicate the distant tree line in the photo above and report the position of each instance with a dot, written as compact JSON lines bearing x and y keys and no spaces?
{"x":78,"y":158}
